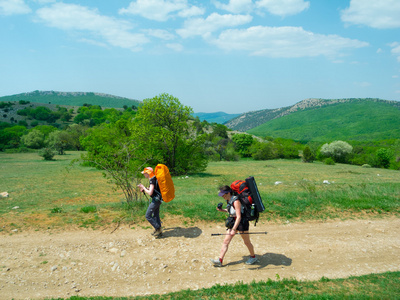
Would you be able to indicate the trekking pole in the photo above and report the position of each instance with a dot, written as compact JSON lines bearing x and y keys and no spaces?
{"x":214,"y":234}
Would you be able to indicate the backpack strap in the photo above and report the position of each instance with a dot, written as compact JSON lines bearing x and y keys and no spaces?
{"x":158,"y":194}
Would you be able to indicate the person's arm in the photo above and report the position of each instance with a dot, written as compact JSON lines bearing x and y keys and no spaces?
{"x":222,"y":209}
{"x":238,"y":207}
{"x":149,"y":191}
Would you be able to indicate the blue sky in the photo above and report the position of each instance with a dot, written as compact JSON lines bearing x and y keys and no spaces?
{"x":218,"y":55}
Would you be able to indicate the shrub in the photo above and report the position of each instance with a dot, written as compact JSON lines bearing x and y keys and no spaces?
{"x":329,"y":161}
{"x":366,"y":166}
{"x":308,"y":156}
{"x":243,"y":142}
{"x":34,"y":139}
{"x":89,"y":209}
{"x":263,"y":151}
{"x":337,"y":150}
{"x":56,"y":210}
{"x":47,"y":153}
{"x":383,"y":157}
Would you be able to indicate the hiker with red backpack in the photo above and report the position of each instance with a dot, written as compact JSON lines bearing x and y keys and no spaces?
{"x":236,"y":222}
{"x":153,"y":211}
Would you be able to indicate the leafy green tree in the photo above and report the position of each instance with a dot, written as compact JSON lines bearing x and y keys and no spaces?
{"x":243,"y":142}
{"x":47,"y":153}
{"x":337,"y":150}
{"x":42,"y":113}
{"x":76,"y":132}
{"x":162,"y":127}
{"x":34,"y":139}
{"x":10,"y":136}
{"x":221,"y":149}
{"x":287,"y":148}
{"x":308,"y":155}
{"x":264,"y":151}
{"x":112,"y":148}
{"x":46,"y":129}
{"x":220,"y":130}
{"x":383,"y":157}
{"x":59,"y":141}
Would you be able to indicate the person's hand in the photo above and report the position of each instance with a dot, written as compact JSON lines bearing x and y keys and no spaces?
{"x":231,"y":232}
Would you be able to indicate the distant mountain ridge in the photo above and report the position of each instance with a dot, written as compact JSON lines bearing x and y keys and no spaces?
{"x":357,"y":120}
{"x":73,"y":98}
{"x":217,"y":117}
{"x":252,"y":119}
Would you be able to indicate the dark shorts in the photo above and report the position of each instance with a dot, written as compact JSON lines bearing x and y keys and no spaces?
{"x":243,"y":226}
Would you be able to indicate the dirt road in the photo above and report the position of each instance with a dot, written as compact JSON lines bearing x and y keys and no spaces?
{"x":126,"y":262}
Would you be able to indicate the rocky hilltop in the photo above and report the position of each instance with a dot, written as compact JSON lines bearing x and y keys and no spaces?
{"x":252,"y":119}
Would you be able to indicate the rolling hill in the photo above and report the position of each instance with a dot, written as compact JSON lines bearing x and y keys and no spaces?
{"x":217,"y":117}
{"x":73,"y":99}
{"x":348,"y":119}
{"x":252,"y":119}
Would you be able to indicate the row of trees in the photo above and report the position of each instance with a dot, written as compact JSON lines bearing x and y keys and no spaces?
{"x":167,"y":129}
{"x":89,"y":115}
{"x":162,"y":130}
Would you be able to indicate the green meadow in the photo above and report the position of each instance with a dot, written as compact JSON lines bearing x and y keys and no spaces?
{"x":373,"y":286}
{"x":56,"y":194}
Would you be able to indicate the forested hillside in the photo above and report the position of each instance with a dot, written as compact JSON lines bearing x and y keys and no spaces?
{"x":351,"y":120}
{"x":250,"y":120}
{"x":73,"y":99}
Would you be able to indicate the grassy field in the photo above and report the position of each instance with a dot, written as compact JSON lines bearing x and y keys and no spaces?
{"x":51,"y":194}
{"x":374,"y":286}
{"x":54,"y":195}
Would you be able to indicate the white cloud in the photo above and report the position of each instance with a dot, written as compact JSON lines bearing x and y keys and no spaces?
{"x":285,"y":42}
{"x":83,"y":19}
{"x":176,"y":47}
{"x":214,"y":22}
{"x":283,"y":7}
{"x":377,"y":14}
{"x":93,"y":42}
{"x":236,"y":6}
{"x":13,"y":7}
{"x":396,"y":50}
{"x":161,"y":10}
{"x":275,"y":7}
{"x":160,"y":33}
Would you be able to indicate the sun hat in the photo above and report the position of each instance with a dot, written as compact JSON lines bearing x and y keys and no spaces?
{"x":222,"y":193}
{"x":148,"y":170}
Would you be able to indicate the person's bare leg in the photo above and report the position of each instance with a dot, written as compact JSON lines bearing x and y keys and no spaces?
{"x":247,"y":242}
{"x":225,"y":246}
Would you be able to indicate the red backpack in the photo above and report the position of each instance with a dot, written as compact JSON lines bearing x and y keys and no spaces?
{"x":241,"y":188}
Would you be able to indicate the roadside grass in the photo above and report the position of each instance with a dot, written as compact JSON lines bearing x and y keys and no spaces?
{"x":51,"y":194}
{"x":373,"y":286}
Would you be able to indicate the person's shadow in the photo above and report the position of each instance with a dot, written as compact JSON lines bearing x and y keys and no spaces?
{"x":265,"y":260}
{"x":190,"y":232}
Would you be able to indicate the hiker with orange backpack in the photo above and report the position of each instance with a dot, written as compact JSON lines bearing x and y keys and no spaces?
{"x":161,"y":189}
{"x":153,"y":211}
{"x":235,"y":222}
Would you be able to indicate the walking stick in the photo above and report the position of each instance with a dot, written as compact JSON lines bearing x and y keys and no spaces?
{"x":214,"y":234}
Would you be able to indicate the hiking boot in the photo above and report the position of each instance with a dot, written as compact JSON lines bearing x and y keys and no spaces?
{"x":216,"y":262}
{"x":157,"y":232}
{"x":252,"y":260}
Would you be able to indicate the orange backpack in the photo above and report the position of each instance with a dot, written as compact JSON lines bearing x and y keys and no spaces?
{"x":165,"y":182}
